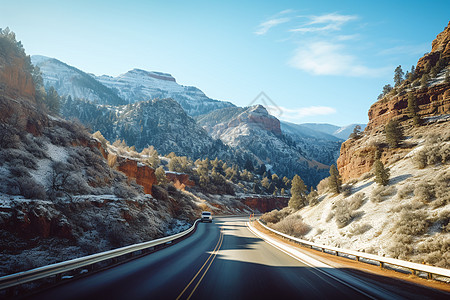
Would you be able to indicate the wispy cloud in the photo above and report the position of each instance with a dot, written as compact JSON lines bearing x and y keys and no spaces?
{"x":294,"y":114}
{"x":406,"y":50}
{"x":326,"y":58}
{"x":264,"y":27}
{"x":327,"y":22}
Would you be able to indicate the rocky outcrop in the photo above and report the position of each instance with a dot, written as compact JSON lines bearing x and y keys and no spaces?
{"x":15,"y":79}
{"x":265,"y":204}
{"x":431,"y":102}
{"x":180,"y":180}
{"x":144,"y":175}
{"x":33,"y":219}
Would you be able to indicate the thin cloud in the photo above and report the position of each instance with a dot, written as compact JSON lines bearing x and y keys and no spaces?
{"x":264,"y":27}
{"x":405,"y":50}
{"x":325,"y":58}
{"x":294,"y":114}
{"x":327,"y":22}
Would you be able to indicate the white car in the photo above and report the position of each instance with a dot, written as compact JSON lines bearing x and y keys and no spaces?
{"x":206,"y":216}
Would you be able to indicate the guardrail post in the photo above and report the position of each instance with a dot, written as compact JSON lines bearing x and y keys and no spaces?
{"x":413,"y":272}
{"x":357,"y":258}
{"x":430,"y":276}
{"x":381,"y":265}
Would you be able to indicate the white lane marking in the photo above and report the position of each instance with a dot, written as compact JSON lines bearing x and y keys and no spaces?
{"x":316,"y":265}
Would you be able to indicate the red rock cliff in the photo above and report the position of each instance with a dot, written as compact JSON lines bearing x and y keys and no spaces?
{"x":265,"y":204}
{"x":143,"y":174}
{"x":180,"y":180}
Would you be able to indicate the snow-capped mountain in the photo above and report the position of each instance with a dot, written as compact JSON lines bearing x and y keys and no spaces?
{"x":315,"y":145}
{"x":133,"y":86}
{"x":70,"y":81}
{"x":139,"y":85}
{"x":254,"y":131}
{"x":341,"y":133}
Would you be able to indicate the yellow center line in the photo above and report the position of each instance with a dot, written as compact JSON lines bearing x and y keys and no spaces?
{"x":204,"y":273}
{"x":212,"y":253}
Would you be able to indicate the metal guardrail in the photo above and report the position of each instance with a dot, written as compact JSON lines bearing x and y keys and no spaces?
{"x":65,"y":266}
{"x":413,"y":267}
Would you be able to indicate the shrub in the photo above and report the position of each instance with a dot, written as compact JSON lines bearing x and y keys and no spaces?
{"x":412,"y":223}
{"x":322,"y":187}
{"x":406,"y":191}
{"x":424,"y":192}
{"x":275,"y":215}
{"x":358,"y":229}
{"x":29,"y":188}
{"x":356,"y":201}
{"x":346,"y":190}
{"x":381,"y":192}
{"x":292,"y":225}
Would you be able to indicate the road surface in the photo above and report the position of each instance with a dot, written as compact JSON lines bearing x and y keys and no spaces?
{"x":222,"y":260}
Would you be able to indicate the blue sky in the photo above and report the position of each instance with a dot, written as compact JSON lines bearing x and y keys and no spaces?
{"x":319,"y":61}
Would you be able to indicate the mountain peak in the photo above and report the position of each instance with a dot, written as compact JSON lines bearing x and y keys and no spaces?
{"x":152,"y":74}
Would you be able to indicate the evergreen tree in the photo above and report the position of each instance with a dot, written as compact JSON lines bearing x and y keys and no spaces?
{"x":386,"y":89}
{"x":413,"y":109}
{"x":52,"y":101}
{"x":249,"y":165}
{"x":394,"y":133}
{"x":298,"y":190}
{"x":398,"y":75}
{"x":356,"y":134}
{"x":381,"y":173}
{"x":282,"y":192}
{"x":334,"y":180}
{"x":265,"y":183}
{"x":424,"y":81}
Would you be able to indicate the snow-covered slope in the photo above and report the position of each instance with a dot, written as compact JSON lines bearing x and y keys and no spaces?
{"x":70,"y":81}
{"x":254,"y":131}
{"x":315,"y":145}
{"x":133,"y":86}
{"x":139,"y":85}
{"x":345,"y":131}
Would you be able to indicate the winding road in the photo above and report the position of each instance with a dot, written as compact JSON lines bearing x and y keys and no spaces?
{"x":227,"y":260}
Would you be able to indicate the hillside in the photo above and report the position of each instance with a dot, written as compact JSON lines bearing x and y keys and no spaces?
{"x":408,"y":218}
{"x":254,"y":131}
{"x":59,"y":198}
{"x":161,"y":123}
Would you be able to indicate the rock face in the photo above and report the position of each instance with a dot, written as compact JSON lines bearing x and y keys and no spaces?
{"x":144,"y":175}
{"x":432,"y":101}
{"x":265,"y":204}
{"x":180,"y":180}
{"x":357,"y":156}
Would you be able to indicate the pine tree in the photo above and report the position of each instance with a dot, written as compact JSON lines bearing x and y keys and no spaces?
{"x":413,"y":109}
{"x":398,"y":75}
{"x":356,"y":134}
{"x":52,"y":101}
{"x":381,"y":173}
{"x":334,"y":180}
{"x":394,"y":133}
{"x":298,"y":190}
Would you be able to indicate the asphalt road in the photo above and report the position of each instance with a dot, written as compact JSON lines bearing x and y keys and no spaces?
{"x":222,"y":260}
